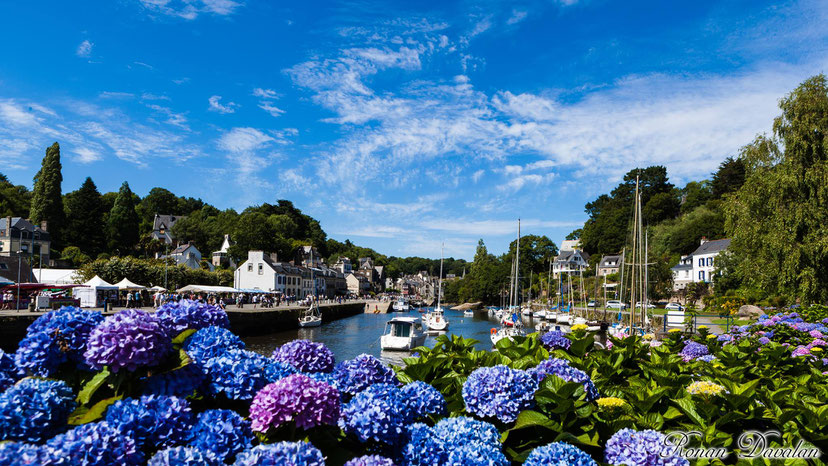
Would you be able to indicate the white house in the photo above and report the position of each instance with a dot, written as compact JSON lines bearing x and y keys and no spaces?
{"x":221,"y":258}
{"x":187,"y":255}
{"x":357,"y":284}
{"x":573,"y":261}
{"x":700,"y":266}
{"x":260,"y":272}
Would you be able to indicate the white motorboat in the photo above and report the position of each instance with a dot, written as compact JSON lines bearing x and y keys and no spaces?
{"x":436,"y":320}
{"x":311,"y":317}
{"x":579,"y":321}
{"x":506,"y":332}
{"x":540,"y":314}
{"x":564,"y":318}
{"x":551,"y":316}
{"x":543,"y":326}
{"x":402,"y":334}
{"x":401,"y":305}
{"x":526,"y":311}
{"x":468,"y":313}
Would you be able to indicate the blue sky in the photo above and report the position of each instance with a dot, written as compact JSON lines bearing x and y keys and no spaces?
{"x":397,"y":125}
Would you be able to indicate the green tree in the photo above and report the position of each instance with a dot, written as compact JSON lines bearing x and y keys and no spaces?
{"x":14,"y":199}
{"x":84,"y":219}
{"x":695,"y":194}
{"x":47,"y":197}
{"x":778,"y":219}
{"x":574,"y":234}
{"x":123,"y":222}
{"x":157,"y":201}
{"x":728,"y":178}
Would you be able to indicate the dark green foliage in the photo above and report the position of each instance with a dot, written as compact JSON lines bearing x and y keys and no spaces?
{"x":151,"y":272}
{"x":14,"y":200}
{"x":84,"y":219}
{"x":728,"y":178}
{"x":122,"y":223}
{"x":47,"y":199}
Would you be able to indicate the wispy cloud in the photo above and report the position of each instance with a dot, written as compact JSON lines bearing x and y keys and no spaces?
{"x":217,"y":106}
{"x":84,"y":49}
{"x":191,"y":9}
{"x":267,"y":96}
{"x":517,"y":16}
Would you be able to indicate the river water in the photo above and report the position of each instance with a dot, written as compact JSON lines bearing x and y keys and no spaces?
{"x":359,"y":334}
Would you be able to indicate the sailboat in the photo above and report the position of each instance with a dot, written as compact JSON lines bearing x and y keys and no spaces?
{"x":312,"y":317}
{"x":436,"y":319}
{"x":516,"y":328}
{"x":638,"y":276}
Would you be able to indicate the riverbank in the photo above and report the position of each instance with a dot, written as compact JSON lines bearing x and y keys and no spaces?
{"x":244,"y":322}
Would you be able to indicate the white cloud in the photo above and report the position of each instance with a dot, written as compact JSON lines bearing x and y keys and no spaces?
{"x":173,"y":118}
{"x":265,"y":93}
{"x":477,"y":175}
{"x":217,"y":106}
{"x":190,"y":9}
{"x":241,"y":140}
{"x":86,"y":155}
{"x":517,"y":16}
{"x":84,"y":49}
{"x":271,"y":109}
{"x":115,"y":95}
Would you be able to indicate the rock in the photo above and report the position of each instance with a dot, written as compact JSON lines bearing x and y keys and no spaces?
{"x":466,"y":306}
{"x":750,"y":311}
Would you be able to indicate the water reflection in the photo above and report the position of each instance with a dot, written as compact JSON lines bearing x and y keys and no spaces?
{"x":352,"y":336}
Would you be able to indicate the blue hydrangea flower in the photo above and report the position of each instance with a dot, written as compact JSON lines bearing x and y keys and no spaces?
{"x":354,"y":375}
{"x":707,"y":358}
{"x":305,"y":356}
{"x":500,"y":392}
{"x":327,"y":377}
{"x":764,"y":340}
{"x":128,"y":340}
{"x":644,"y":448}
{"x":35,"y":409}
{"x":8,"y":371}
{"x":95,"y":444}
{"x":211,"y":342}
{"x":693,"y":350}
{"x":181,"y":382}
{"x":281,"y":454}
{"x":370,"y":460}
{"x":421,"y":400}
{"x":221,"y":432}
{"x":186,"y":314}
{"x":562,"y":369}
{"x":377,"y":414}
{"x":239,"y":374}
{"x":428,"y":446}
{"x":157,"y":421}
{"x":559,"y":454}
{"x":21,"y":454}
{"x":183,"y":456}
{"x":56,"y":337}
{"x":555,"y":340}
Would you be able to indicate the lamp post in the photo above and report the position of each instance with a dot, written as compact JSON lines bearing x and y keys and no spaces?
{"x":166,"y":253}
{"x":19,"y":254}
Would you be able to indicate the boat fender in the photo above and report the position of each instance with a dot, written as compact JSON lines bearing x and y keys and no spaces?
{"x":493,"y":331}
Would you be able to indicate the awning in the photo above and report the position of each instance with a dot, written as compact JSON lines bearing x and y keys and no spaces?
{"x":127,"y":285}
{"x":209,"y":289}
{"x":254,"y":291}
{"x":158,"y":288}
{"x":100,"y":283}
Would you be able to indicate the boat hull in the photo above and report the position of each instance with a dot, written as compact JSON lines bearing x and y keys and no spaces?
{"x":392,"y":343}
{"x":310,"y":323}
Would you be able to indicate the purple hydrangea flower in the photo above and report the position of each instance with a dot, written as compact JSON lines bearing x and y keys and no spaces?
{"x":54,"y":338}
{"x":555,"y":340}
{"x":305,"y":356}
{"x":815,"y":334}
{"x":128,"y":340}
{"x":764,"y":340}
{"x":296,"y":398}
{"x":239,"y":374}
{"x":500,"y":392}
{"x":724,"y":337}
{"x":35,"y":409}
{"x":211,"y":342}
{"x":559,"y":453}
{"x":354,"y":375}
{"x":801,"y":351}
{"x":183,"y":456}
{"x":562,"y":369}
{"x":644,"y":448}
{"x":377,"y":414}
{"x":281,"y":453}
{"x":707,"y":358}
{"x":186,"y":314}
{"x":221,"y":432}
{"x":94,"y":444}
{"x":693,"y":350}
{"x":157,"y":421}
{"x":370,"y":460}
{"x":421,"y":400}
{"x":22,"y":454}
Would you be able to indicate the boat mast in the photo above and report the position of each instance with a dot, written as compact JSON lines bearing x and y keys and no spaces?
{"x":633,"y":261}
{"x":440,"y":278}
{"x":517,"y":268}
{"x":549,"y":285}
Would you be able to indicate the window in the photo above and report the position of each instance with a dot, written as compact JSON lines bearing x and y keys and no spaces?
{"x":709,"y":261}
{"x":701,"y":275}
{"x":261,"y":269}
{"x":701,"y":262}
{"x":4,"y":266}
{"x":249,"y":267}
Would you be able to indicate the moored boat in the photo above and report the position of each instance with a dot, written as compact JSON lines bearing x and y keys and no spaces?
{"x":402,"y":334}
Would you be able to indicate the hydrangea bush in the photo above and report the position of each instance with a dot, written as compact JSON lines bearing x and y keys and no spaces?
{"x":35,"y":409}
{"x":499,"y":392}
{"x":186,"y":315}
{"x":298,"y":398}
{"x":305,"y":356}
{"x":128,"y":340}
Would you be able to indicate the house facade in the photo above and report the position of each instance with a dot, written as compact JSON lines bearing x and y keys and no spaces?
{"x":18,"y":235}
{"x":357,"y":284}
{"x":221,"y":258}
{"x":609,"y":265}
{"x":162,"y":227}
{"x":570,"y":261}
{"x":700,"y":266}
{"x":188,"y":255}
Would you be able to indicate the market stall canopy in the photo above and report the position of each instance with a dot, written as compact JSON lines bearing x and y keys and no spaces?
{"x":100,"y":283}
{"x":127,"y":285}
{"x":158,"y":288}
{"x":208,"y":289}
{"x":5,"y":281}
{"x":255,"y":291}
{"x":56,"y":276}
{"x":38,"y":286}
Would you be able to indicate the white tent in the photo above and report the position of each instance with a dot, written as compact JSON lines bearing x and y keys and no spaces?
{"x":126,"y":285}
{"x":94,"y":292}
{"x":158,"y":288}
{"x":209,"y":289}
{"x":56,"y":276}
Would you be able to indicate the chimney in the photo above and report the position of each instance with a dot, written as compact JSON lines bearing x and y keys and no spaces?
{"x":273,"y":257}
{"x":8,"y":227}
{"x":43,"y":225}
{"x":703,"y":239}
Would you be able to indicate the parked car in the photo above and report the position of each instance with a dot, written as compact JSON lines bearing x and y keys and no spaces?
{"x":592,"y":304}
{"x":649,"y":306}
{"x":616,"y":304}
{"x":674,"y":306}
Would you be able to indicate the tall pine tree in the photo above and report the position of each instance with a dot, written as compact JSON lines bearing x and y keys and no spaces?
{"x":122,"y":231}
{"x":84,"y":222}
{"x":47,"y":200}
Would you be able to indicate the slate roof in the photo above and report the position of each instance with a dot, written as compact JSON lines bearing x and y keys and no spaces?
{"x":711,"y":247}
{"x":21,"y":224}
